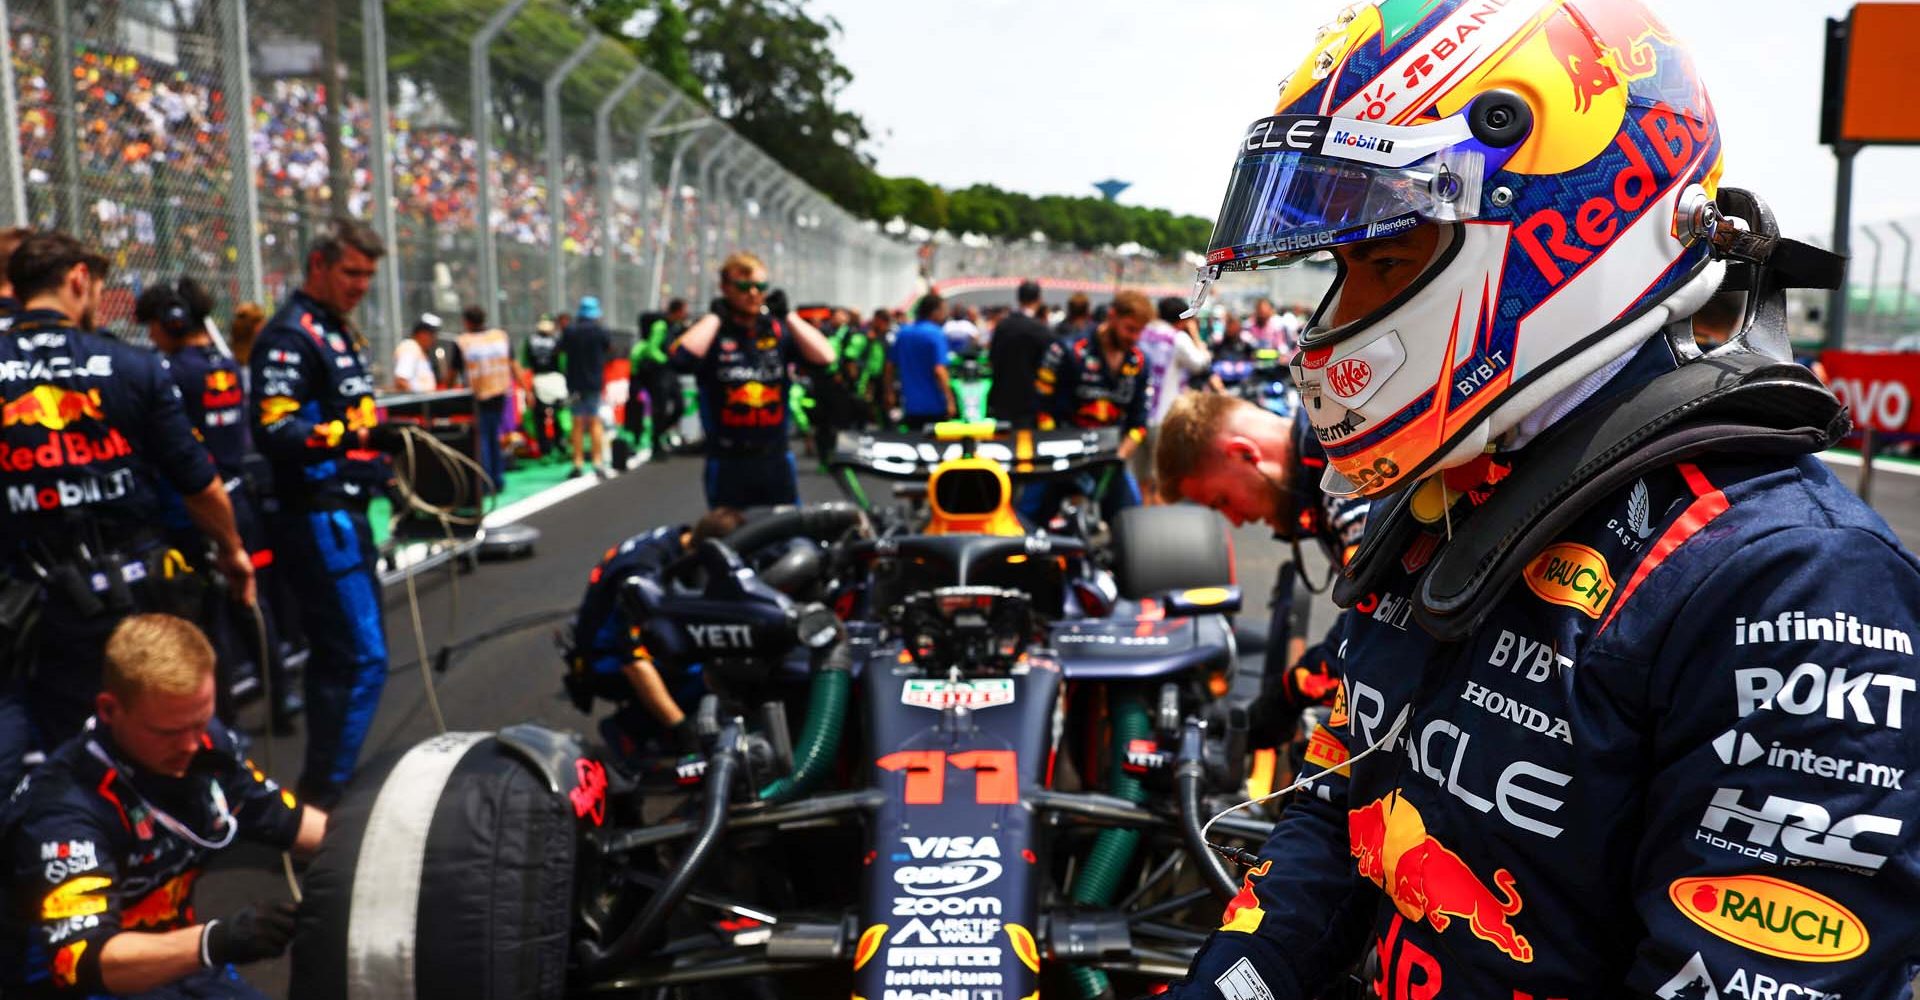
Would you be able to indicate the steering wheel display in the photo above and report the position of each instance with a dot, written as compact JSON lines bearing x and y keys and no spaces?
{"x":976,"y":628}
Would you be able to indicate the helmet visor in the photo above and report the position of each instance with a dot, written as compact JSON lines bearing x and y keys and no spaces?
{"x":1289,"y":202}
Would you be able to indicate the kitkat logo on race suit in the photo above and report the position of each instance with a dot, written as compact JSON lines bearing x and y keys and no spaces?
{"x":51,"y":407}
{"x":1572,"y":575}
{"x":1389,"y":841}
{"x":1771,"y":917}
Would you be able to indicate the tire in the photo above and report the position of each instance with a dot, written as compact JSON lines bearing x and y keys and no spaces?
{"x":1157,"y":550}
{"x":484,"y":901}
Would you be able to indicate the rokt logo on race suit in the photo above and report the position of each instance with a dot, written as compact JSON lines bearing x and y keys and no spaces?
{"x":1427,"y":880}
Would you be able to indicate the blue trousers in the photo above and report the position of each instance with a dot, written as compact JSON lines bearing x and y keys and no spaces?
{"x":493,"y":457}
{"x":751,"y":480}
{"x":329,"y":558}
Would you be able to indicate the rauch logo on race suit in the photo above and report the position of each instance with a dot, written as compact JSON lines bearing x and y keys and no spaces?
{"x":1772,"y":917}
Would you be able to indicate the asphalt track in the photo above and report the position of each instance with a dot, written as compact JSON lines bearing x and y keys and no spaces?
{"x":517,"y":677}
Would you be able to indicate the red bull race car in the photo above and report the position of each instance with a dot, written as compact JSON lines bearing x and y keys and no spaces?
{"x":945,"y":754}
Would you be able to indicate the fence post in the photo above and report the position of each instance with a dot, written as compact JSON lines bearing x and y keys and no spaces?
{"x":1906,"y":277}
{"x":556,"y":179}
{"x":65,"y":127}
{"x":10,"y":169}
{"x":1872,"y":318}
{"x":387,"y":327}
{"x":246,"y":199}
{"x":705,"y":238}
{"x":603,"y":158}
{"x":672,"y":194}
{"x":481,"y":84}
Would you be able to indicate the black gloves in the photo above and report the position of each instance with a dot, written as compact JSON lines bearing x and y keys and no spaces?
{"x":250,"y":935}
{"x":777,"y":303}
{"x":388,"y":438}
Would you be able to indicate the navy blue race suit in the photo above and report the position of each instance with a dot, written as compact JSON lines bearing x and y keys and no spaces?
{"x":744,"y":385}
{"x":312,"y":395}
{"x":210,"y":385}
{"x":1077,"y":388}
{"x":90,"y":430}
{"x":93,"y":848}
{"x":1671,"y":763}
{"x":606,"y":639}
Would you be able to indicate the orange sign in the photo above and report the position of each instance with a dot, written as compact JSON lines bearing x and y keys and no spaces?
{"x":1880,"y":75}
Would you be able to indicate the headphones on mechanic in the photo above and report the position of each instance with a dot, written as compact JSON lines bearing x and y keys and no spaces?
{"x":179,"y":306}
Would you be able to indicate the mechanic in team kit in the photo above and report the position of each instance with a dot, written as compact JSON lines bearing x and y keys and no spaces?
{"x":315,"y":420}
{"x":1636,"y":666}
{"x":739,"y":358}
{"x":1097,"y":379}
{"x":89,"y":427}
{"x":103,"y":844}
{"x":1294,"y":506}
{"x":175,"y":314}
{"x":608,"y":658}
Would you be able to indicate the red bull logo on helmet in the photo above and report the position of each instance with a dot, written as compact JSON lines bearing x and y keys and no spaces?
{"x":1604,"y":46}
{"x":1428,"y":881}
{"x":51,"y":407}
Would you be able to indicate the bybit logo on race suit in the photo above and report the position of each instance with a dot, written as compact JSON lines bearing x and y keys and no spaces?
{"x":1428,"y":881}
{"x":51,"y":407}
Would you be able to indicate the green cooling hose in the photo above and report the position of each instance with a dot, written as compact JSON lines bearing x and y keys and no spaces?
{"x":820,"y":737}
{"x":1099,"y":879}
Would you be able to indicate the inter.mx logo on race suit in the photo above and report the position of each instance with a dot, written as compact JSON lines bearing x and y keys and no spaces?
{"x":1741,"y":749}
{"x":985,"y":692}
{"x":1806,"y":833}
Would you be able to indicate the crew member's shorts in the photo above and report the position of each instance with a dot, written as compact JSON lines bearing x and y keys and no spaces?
{"x":586,"y":404}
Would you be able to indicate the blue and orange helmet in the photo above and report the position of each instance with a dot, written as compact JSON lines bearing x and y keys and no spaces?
{"x":1556,"y":143}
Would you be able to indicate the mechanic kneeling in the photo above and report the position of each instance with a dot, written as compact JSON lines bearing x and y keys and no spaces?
{"x":105,"y":841}
{"x":608,"y":659}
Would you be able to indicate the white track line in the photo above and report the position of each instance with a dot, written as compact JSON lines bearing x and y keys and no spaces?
{"x":529,"y":506}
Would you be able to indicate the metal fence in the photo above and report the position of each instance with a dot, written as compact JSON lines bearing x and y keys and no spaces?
{"x":215,"y":137}
{"x":1882,"y":310}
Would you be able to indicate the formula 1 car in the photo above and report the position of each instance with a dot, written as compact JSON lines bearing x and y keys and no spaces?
{"x":1009,"y":742}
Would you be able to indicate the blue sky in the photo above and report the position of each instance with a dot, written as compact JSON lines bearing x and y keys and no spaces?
{"x":1048,"y":96}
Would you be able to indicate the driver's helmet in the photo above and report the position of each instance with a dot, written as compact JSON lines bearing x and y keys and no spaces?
{"x":1557,"y":142}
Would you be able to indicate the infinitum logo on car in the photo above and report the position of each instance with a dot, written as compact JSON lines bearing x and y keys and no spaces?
{"x":1771,"y":917}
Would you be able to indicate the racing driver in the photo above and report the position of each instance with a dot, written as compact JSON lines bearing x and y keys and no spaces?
{"x":1627,"y":673}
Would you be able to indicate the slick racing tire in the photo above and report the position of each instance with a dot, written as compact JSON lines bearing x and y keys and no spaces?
{"x":1158,"y":550}
{"x":451,"y":874}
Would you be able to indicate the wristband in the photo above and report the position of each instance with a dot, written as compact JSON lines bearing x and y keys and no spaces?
{"x":206,"y":960}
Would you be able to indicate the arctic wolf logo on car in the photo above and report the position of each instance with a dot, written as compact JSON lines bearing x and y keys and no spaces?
{"x":1427,"y":880}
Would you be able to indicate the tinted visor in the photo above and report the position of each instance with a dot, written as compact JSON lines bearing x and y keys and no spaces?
{"x":1293,"y":203}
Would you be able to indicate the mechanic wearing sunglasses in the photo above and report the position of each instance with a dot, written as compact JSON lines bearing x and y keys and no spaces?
{"x":738,"y":356}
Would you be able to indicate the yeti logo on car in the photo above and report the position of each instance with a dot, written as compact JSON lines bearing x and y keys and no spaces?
{"x":721,"y":636}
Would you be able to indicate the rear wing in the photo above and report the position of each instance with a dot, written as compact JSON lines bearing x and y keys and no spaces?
{"x":1023,"y":453}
